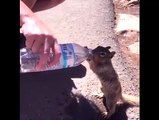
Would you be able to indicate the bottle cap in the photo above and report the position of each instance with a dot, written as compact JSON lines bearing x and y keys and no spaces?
{"x":89,"y":52}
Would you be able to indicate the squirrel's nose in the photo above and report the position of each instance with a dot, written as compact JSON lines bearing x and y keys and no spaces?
{"x":90,"y":55}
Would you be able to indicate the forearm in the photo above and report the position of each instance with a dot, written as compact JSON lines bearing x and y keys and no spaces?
{"x":25,"y":13}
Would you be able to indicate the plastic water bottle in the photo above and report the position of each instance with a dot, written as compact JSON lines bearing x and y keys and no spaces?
{"x":72,"y":55}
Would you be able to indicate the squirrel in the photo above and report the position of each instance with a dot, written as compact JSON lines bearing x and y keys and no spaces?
{"x":100,"y":63}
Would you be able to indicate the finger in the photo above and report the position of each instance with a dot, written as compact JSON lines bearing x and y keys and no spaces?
{"x":55,"y":60}
{"x":42,"y":61}
{"x":29,"y":41}
{"x":38,"y":43}
{"x":44,"y":58}
{"x":45,"y":50}
{"x":50,"y":42}
{"x":42,"y":48}
{"x":56,"y":48}
{"x":47,"y":44}
{"x":57,"y":54}
{"x":29,"y":38}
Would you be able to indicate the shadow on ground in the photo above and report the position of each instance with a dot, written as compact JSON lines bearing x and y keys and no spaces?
{"x":81,"y":108}
{"x":46,"y":4}
{"x":44,"y":95}
{"x":120,"y":113}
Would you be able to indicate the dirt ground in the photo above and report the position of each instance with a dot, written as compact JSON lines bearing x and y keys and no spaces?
{"x":128,"y":37}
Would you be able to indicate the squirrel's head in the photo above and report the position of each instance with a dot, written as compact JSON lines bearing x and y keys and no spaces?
{"x":101,"y":54}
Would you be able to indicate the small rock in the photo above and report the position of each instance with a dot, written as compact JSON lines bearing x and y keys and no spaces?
{"x":127,"y":22}
{"x":134,"y":48}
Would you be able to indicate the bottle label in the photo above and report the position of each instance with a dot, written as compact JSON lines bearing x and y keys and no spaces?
{"x":68,"y":55}
{"x":29,"y":60}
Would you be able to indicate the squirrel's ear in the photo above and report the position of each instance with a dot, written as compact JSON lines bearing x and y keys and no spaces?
{"x":112,"y":54}
{"x":108,"y":47}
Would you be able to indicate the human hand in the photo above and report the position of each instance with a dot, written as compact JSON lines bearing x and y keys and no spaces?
{"x":39,"y":37}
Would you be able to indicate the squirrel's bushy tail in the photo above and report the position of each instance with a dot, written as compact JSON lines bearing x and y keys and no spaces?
{"x":132,"y":100}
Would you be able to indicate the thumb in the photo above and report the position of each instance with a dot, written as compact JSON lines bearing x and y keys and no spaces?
{"x":56,"y":54}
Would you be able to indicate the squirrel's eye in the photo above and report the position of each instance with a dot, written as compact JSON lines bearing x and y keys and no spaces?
{"x":102,"y":54}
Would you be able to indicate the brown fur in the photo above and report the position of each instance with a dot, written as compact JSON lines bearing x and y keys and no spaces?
{"x":100,"y":63}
